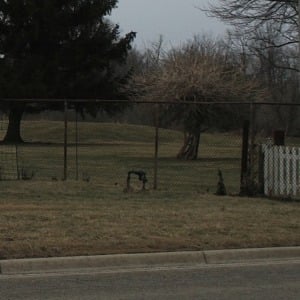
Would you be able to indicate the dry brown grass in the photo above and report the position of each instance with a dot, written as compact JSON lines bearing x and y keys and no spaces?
{"x":40,"y":219}
{"x":43,"y":217}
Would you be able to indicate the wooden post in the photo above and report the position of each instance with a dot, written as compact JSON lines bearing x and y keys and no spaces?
{"x":17,"y":162}
{"x":279,"y":137}
{"x":261,"y":159}
{"x":76,"y":141}
{"x":244,"y":164}
{"x":156,"y":117}
{"x":252,"y":143}
{"x":65,"y":139}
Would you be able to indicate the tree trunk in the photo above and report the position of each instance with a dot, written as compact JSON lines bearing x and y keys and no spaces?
{"x":13,"y":134}
{"x":190,"y":148}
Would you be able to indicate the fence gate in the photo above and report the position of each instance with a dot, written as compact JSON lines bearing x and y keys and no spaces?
{"x":281,"y":170}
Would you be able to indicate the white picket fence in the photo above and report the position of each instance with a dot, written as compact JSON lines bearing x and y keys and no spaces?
{"x":281,"y":170}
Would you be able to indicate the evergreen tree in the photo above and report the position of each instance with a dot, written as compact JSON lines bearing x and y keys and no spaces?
{"x":58,"y":49}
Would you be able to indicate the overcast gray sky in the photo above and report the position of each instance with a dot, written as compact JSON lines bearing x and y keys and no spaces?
{"x":176,"y":20}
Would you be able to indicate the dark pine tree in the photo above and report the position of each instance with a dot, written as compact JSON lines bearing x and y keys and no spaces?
{"x":58,"y":49}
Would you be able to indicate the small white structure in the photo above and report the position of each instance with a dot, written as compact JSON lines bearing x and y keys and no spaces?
{"x":281,"y":167}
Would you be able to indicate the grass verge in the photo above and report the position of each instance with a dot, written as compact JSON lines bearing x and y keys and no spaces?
{"x":44,"y":219}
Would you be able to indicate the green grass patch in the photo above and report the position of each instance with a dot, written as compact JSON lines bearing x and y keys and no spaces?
{"x":107,"y":151}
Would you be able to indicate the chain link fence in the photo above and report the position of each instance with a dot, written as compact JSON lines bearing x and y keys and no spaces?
{"x":151,"y":138}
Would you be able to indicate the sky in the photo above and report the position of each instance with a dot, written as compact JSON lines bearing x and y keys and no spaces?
{"x":176,"y":20}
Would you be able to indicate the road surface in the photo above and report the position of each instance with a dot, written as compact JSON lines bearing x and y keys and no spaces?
{"x":268,"y":280}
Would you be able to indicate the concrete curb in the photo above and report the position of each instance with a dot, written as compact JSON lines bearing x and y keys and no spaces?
{"x":21,"y":266}
{"x":59,"y":264}
{"x":244,"y":255}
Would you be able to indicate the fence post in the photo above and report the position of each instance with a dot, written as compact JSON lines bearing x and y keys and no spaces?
{"x":244,"y":164}
{"x":76,"y":141}
{"x":261,"y":158}
{"x":279,"y":137}
{"x":65,"y":139}
{"x":252,"y":143}
{"x":17,"y":162}
{"x":156,"y":120}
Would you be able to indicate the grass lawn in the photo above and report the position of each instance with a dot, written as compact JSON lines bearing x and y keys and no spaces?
{"x":40,"y":219}
{"x":107,"y":152}
{"x":48,"y":217}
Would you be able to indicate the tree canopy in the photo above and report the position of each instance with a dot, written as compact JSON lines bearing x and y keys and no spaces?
{"x":60,"y":49}
{"x":200,"y":71}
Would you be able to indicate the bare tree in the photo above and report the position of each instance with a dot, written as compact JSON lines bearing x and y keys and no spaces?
{"x":272,"y":29}
{"x":275,"y":67}
{"x":249,"y":15}
{"x":201,"y":70}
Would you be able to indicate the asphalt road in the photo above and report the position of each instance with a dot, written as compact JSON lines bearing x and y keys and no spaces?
{"x":269,"y":280}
